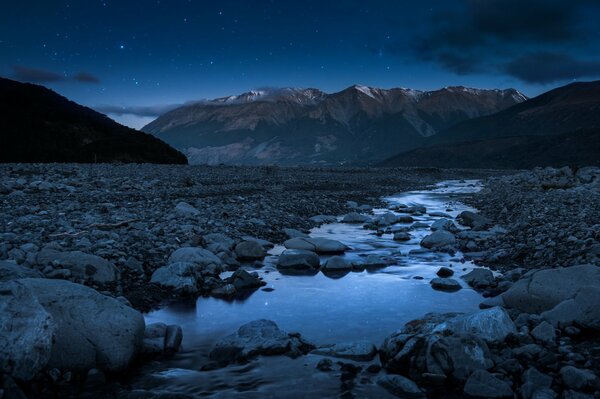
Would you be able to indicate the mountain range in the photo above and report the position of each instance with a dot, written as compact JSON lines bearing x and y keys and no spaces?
{"x":38,"y":125}
{"x":358,"y":125}
{"x":557,"y":128}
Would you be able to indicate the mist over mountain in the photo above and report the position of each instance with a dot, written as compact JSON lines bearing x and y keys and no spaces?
{"x":38,"y":125}
{"x":290,"y":126}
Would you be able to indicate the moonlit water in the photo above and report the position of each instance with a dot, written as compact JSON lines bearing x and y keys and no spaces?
{"x":366,"y":305}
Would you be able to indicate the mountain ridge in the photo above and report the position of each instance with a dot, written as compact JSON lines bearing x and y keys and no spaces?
{"x":357,"y":124}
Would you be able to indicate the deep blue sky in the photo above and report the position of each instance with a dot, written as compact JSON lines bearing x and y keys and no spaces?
{"x":145,"y":56}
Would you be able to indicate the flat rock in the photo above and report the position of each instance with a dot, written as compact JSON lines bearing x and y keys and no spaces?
{"x":492,"y":325}
{"x":361,"y":351}
{"x":259,"y":337}
{"x":318,"y":245}
{"x":583,"y":310}
{"x":250,"y":250}
{"x":298,"y":259}
{"x":82,"y":266}
{"x":336,"y":263}
{"x":544,"y":289}
{"x":445,"y":284}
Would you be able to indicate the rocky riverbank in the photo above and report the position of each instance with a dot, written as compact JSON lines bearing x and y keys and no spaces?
{"x":83,"y":247}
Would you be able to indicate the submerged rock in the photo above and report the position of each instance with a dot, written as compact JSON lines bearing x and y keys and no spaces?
{"x":445,"y":284}
{"x":354,"y":217}
{"x":318,"y":245}
{"x":259,"y":337}
{"x":439,"y":239}
{"x":336,"y":263}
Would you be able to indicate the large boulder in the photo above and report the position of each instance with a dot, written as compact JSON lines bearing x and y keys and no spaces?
{"x":582,"y":310}
{"x":318,"y":245}
{"x":12,"y":271}
{"x":298,"y":259}
{"x":492,"y":325}
{"x":250,"y":250}
{"x":545,"y":289}
{"x":198,"y":256}
{"x":27,"y":332}
{"x":473,"y":220}
{"x":355,"y":217}
{"x":259,"y":337}
{"x":479,"y":277}
{"x":82,"y":266}
{"x":179,"y":276}
{"x":439,"y":239}
{"x":92,"y":330}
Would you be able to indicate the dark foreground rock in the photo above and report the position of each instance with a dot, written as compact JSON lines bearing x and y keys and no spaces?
{"x":260,"y":337}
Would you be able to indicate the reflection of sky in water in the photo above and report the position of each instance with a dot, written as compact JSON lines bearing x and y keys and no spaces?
{"x":366,"y":305}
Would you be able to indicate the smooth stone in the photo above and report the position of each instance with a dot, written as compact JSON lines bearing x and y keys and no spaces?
{"x":250,"y":250}
{"x":437,"y":239}
{"x":336,"y":263}
{"x":583,"y":310}
{"x":544,"y":332}
{"x":173,"y":338}
{"x":402,"y":236}
{"x":155,"y":330}
{"x":400,"y":386}
{"x":12,"y":271}
{"x":445,"y":284}
{"x":323,"y":219}
{"x":218,"y":242}
{"x":318,"y":245}
{"x":473,"y":220}
{"x":445,"y":272}
{"x":197,"y":256}
{"x":576,"y":378}
{"x":355,"y":217}
{"x":294,"y":233}
{"x":184,"y":209}
{"x":180,"y":276}
{"x":82,"y":266}
{"x":492,"y":325}
{"x":298,"y":259}
{"x":242,"y":280}
{"x":479,"y":277}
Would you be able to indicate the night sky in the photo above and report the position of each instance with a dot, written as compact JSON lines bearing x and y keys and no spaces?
{"x":135,"y":59}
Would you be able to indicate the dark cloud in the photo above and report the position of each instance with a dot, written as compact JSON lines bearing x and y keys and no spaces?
{"x":34,"y":75}
{"x":85,"y":77}
{"x":143,"y":110}
{"x":522,"y":36}
{"x":548,"y":68}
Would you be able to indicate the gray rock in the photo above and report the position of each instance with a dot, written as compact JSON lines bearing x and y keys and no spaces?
{"x":27,"y":332}
{"x":12,"y":271}
{"x":325,"y":365}
{"x":544,"y":332}
{"x":400,"y":386}
{"x":578,"y":379}
{"x":479,"y":278}
{"x":482,"y":384}
{"x":82,"y":266}
{"x":570,"y":394}
{"x":354,"y":217}
{"x":543,"y":290}
{"x":173,"y":338}
{"x":492,"y":325}
{"x":217,"y":242}
{"x":534,"y":381}
{"x":318,"y":245}
{"x":134,"y":265}
{"x":266,"y":244}
{"x":323,"y":219}
{"x":445,"y":224}
{"x":361,"y":351}
{"x":225,"y":291}
{"x":186,"y":210}
{"x":402,"y":236}
{"x":242,"y":280}
{"x":93,"y":330}
{"x":298,"y":259}
{"x":473,"y":220}
{"x":445,"y":284}
{"x":445,"y":272}
{"x":155,"y":330}
{"x":439,"y":239}
{"x":250,"y":250}
{"x":336,"y":263}
{"x":457,"y":356}
{"x":583,"y":310}
{"x":197,"y":256}
{"x":385,"y":219}
{"x":259,"y":337}
{"x":294,"y":233}
{"x":180,"y":276}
